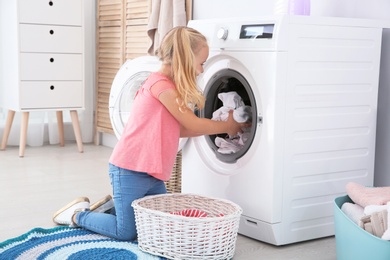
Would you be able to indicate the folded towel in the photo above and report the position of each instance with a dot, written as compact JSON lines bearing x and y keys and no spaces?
{"x":164,"y":15}
{"x":386,"y":235}
{"x":376,"y":223}
{"x":368,"y":210}
{"x":365,"y":223}
{"x":354,"y":211}
{"x":379,"y":222}
{"x":365,"y":196}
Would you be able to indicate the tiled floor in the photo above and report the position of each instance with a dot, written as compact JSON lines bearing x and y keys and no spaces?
{"x":34,"y":187}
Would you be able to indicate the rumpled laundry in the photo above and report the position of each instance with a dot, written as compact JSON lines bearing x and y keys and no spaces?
{"x":241,"y":113}
{"x":231,"y":144}
{"x":365,"y":196}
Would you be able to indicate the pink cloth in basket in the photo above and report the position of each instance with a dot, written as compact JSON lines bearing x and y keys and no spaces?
{"x":195,"y":213}
{"x":365,"y":196}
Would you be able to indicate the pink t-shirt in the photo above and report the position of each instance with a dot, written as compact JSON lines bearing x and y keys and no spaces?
{"x":150,"y":139}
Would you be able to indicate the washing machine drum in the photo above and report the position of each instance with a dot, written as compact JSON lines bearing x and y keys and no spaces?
{"x":124,"y":88}
{"x":225,"y":81}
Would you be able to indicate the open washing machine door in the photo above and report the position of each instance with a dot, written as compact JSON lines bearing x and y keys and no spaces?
{"x":224,"y":74}
{"x":124,"y":88}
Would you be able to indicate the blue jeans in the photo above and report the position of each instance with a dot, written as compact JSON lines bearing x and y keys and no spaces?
{"x":127,"y":186}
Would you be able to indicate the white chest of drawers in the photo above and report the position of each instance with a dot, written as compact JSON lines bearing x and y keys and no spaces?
{"x":41,"y":60}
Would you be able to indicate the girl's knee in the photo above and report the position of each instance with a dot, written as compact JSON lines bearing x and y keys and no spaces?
{"x":127,"y":236}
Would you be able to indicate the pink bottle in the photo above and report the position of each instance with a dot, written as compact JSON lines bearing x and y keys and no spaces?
{"x":299,"y":7}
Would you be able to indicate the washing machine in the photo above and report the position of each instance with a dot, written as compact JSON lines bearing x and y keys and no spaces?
{"x":312,"y":85}
{"x":125,"y":85}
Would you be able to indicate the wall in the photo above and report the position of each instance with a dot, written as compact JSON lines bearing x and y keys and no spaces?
{"x":204,"y":9}
{"x":382,"y":153}
{"x":376,"y":9}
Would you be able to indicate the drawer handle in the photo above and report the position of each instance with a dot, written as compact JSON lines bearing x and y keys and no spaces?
{"x":51,"y":32}
{"x":51,"y":3}
{"x":52,"y":87}
{"x":51,"y":59}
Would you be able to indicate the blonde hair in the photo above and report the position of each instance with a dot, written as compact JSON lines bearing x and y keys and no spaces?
{"x":178,"y":49}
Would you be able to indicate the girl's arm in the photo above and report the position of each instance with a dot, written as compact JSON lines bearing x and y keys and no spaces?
{"x":191,"y":125}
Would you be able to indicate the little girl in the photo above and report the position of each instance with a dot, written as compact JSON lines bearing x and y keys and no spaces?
{"x":144,"y":156}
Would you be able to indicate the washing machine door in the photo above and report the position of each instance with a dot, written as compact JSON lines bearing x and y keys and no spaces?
{"x":124,"y":88}
{"x":224,"y":74}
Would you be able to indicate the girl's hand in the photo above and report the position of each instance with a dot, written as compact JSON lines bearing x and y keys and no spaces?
{"x":233,"y":126}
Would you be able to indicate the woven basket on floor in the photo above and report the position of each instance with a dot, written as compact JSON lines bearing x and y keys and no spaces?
{"x":160,"y":232}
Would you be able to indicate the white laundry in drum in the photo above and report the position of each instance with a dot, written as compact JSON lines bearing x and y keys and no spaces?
{"x":241,"y":113}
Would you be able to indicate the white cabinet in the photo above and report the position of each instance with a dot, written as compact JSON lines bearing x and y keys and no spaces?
{"x":41,"y":60}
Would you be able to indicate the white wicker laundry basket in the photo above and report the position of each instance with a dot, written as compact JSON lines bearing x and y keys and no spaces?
{"x":161,"y":232}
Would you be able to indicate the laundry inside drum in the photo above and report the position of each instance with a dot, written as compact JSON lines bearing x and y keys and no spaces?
{"x":230,"y":91}
{"x":242,"y":113}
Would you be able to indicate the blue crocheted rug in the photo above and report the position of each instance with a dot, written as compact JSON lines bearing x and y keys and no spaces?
{"x":69,"y":243}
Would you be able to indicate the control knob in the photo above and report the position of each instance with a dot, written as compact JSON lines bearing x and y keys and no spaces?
{"x":222,"y":33}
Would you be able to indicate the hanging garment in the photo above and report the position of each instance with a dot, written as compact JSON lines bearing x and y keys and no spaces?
{"x":165,"y":15}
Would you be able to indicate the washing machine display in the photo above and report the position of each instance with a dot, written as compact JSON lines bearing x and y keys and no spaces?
{"x":312,"y":85}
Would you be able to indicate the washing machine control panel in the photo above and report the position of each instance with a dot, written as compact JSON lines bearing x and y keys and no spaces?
{"x":257,"y":31}
{"x":256,"y":34}
{"x":251,"y":31}
{"x":222,"y":33}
